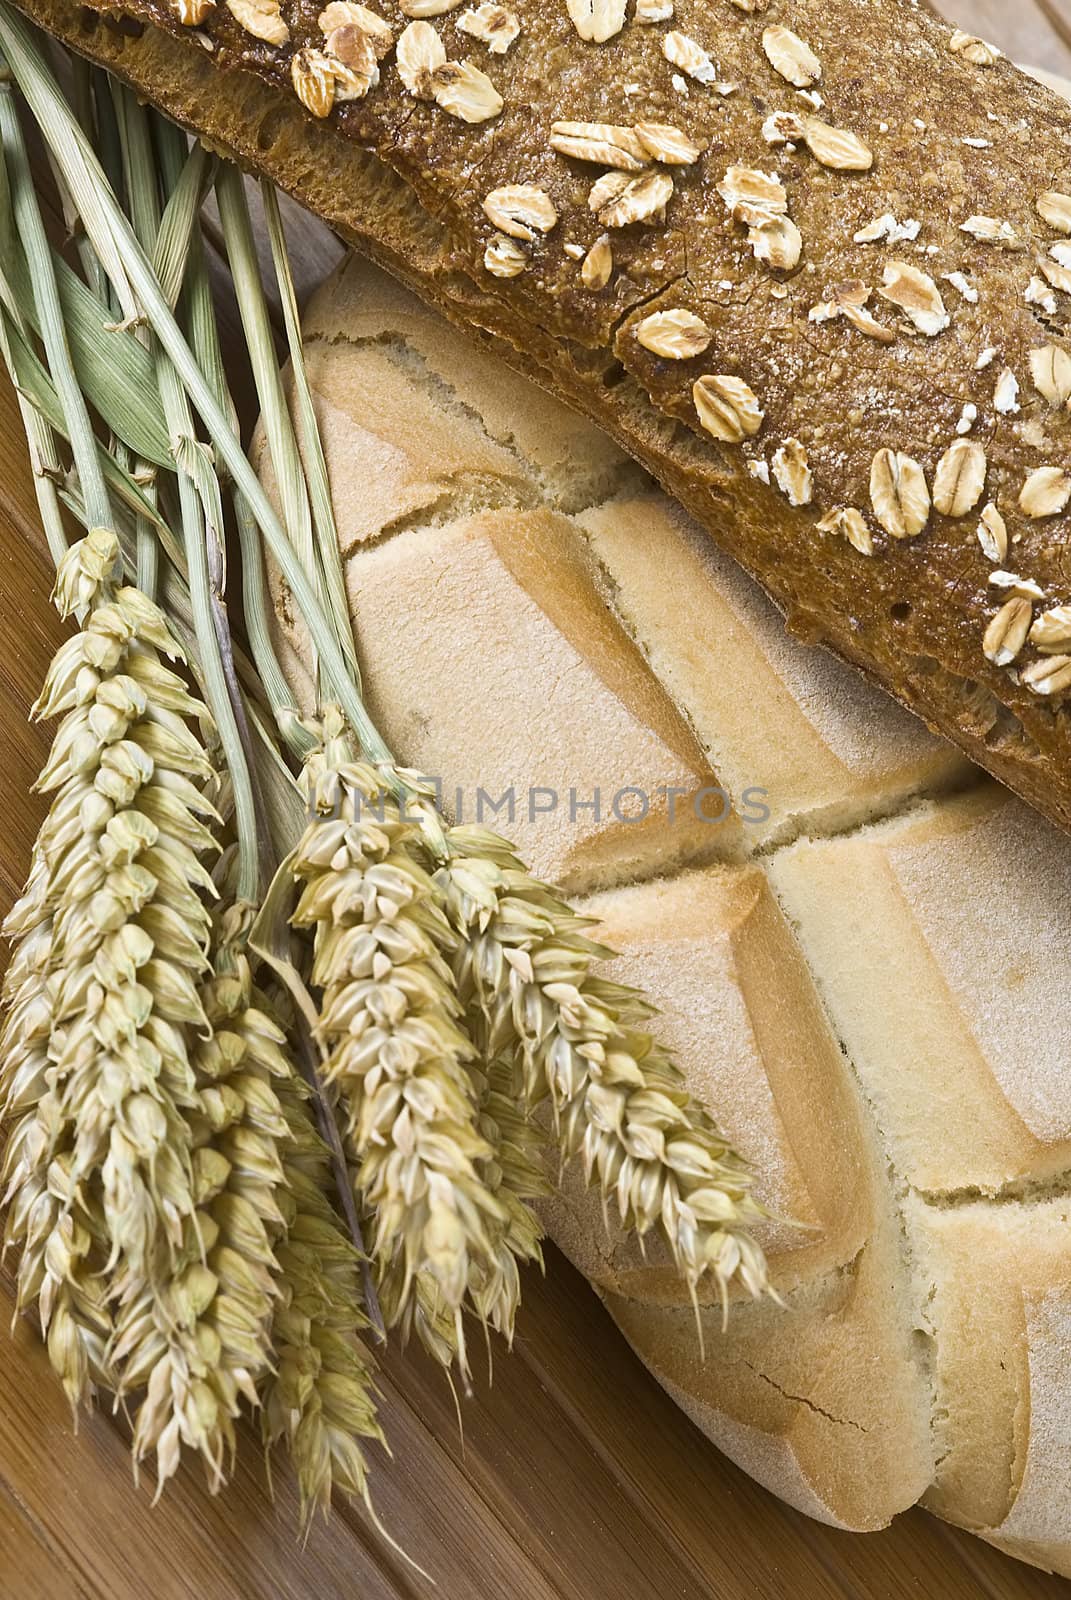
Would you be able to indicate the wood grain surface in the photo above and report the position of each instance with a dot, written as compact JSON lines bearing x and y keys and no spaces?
{"x":575,"y":1478}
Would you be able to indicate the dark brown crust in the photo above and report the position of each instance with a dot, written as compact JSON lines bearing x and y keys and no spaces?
{"x":404,"y":181}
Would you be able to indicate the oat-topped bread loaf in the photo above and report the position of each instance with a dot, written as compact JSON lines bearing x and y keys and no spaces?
{"x":864,"y":968}
{"x":808,"y":260}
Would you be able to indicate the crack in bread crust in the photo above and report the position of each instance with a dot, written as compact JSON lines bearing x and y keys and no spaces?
{"x":804,"y":1400}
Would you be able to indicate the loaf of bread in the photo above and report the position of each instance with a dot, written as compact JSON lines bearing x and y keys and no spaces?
{"x":865,"y":974}
{"x":807,"y":260}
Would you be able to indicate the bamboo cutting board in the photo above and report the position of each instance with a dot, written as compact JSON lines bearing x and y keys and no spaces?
{"x":576,"y":1478}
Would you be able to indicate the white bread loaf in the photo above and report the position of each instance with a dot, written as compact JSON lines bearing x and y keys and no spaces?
{"x":868,"y":985}
{"x":564,"y":611}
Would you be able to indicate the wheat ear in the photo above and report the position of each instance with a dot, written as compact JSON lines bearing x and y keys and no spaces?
{"x":524,"y":969}
{"x":63,"y":1238}
{"x":396,"y":1055}
{"x":112,"y":937}
{"x":515,"y":1173}
{"x":199,"y":1342}
{"x":319,"y":1398}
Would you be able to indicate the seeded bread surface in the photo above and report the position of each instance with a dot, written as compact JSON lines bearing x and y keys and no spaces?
{"x":912,"y":359}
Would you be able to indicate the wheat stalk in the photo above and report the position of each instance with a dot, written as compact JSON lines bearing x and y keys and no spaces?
{"x":524,"y":970}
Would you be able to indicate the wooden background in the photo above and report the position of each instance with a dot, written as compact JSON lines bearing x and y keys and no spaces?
{"x":576,"y":1479}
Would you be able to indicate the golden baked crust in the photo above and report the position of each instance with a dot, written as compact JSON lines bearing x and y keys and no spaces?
{"x":865,"y":364}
